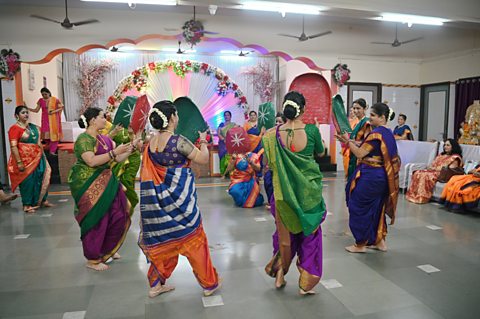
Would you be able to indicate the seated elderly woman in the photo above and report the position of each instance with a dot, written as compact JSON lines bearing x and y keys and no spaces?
{"x":423,"y":181}
{"x":462,"y":192}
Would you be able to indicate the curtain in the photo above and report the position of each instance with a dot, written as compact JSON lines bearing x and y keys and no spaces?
{"x":466,"y":91}
{"x":126,"y":62}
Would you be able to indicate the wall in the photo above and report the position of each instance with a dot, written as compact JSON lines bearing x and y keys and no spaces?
{"x":52,"y":71}
{"x":450,"y":68}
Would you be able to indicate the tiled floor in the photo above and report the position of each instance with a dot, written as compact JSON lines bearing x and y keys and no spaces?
{"x":43,"y":276}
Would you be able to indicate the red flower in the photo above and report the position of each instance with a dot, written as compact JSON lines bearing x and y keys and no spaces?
{"x":225,"y":78}
{"x":243,"y":99}
{"x":188,"y":63}
{"x":204,"y":66}
{"x":136,"y":73}
{"x":125,"y":88}
{"x":234,"y":86}
{"x":151,"y":66}
{"x":111,"y":100}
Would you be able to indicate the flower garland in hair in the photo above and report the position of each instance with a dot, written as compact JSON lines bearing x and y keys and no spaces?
{"x":295,"y":106}
{"x":390,"y":112}
{"x":162,"y":116}
{"x":84,"y":120}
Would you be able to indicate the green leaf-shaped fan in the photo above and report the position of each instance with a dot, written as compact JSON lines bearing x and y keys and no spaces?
{"x":266,"y":115}
{"x":190,"y":120}
{"x":124,"y":112}
{"x":339,"y":117}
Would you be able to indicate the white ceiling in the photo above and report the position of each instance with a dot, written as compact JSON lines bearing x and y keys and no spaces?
{"x":350,"y":21}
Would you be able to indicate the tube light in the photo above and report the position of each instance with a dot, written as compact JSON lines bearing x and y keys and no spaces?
{"x":155,"y":2}
{"x":281,"y":7}
{"x":411,"y":19}
{"x":176,"y":49}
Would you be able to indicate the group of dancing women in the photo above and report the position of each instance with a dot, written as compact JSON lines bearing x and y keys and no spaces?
{"x":102,"y":185}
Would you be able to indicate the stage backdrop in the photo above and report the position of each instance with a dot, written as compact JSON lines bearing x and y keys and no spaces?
{"x":126,"y":62}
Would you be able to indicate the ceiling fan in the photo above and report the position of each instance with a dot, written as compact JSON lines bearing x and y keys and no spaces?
{"x":303,"y":36}
{"x":245,"y":53}
{"x":66,"y":22}
{"x":397,"y":43}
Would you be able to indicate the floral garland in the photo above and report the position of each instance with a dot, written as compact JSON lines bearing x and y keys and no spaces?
{"x":261,"y":77}
{"x":192,"y":32}
{"x":341,"y":74}
{"x":139,"y":77}
{"x":9,"y":63}
{"x":91,"y":80}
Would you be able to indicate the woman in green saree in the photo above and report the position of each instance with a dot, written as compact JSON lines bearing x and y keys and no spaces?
{"x":297,"y":203}
{"x":101,"y":207}
{"x":222,"y":134}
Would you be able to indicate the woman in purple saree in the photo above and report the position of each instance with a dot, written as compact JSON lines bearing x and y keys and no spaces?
{"x":372,"y":190}
{"x":101,"y":206}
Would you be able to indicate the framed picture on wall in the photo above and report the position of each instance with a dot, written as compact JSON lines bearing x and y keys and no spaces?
{"x":371,"y":92}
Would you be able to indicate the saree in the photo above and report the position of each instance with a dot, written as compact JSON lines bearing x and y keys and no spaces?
{"x":423,"y":181}
{"x":462,"y":192}
{"x":254,"y":136}
{"x":360,"y":131}
{"x":171,"y":224}
{"x":244,"y":187}
{"x":51,"y":123}
{"x":222,"y":148}
{"x":403,"y":131}
{"x":101,"y":207}
{"x":127,"y":170}
{"x":35,"y":179}
{"x":298,"y":207}
{"x":372,"y":191}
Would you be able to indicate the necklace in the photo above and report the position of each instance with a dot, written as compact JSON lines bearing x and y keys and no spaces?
{"x":104,"y":145}
{"x":22,"y":125}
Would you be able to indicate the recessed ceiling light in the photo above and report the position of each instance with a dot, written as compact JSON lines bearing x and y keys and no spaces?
{"x":155,"y":2}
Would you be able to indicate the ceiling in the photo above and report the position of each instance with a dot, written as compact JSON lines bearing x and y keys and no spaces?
{"x":350,"y":20}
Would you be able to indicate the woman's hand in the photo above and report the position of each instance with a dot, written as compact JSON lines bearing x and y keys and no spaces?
{"x":203,"y":135}
{"x":344,"y":138}
{"x":21,"y":168}
{"x":116,"y":130}
{"x":123,"y":148}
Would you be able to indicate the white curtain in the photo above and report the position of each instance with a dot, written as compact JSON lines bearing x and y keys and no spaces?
{"x":126,"y":62}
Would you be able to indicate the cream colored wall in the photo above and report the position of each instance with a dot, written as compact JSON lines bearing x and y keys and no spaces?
{"x":30,"y":96}
{"x":462,"y":65}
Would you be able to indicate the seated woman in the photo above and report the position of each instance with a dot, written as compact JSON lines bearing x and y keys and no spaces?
{"x":462,"y":192}
{"x":402,"y":131}
{"x":423,"y":181}
{"x":244,"y":187}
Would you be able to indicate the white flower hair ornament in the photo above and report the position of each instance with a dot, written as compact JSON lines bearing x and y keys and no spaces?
{"x":390,"y":112}
{"x":84,"y":120}
{"x":295,"y":106}
{"x":162,"y":116}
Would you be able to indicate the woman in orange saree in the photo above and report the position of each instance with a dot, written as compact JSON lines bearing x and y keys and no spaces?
{"x":28,"y":167}
{"x":51,"y":119}
{"x":423,"y":181}
{"x":462,"y":192}
{"x":244,"y":187}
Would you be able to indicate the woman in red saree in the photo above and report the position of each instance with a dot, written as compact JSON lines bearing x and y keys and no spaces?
{"x":51,"y":119}
{"x":462,"y":191}
{"x":423,"y":181}
{"x":28,"y":167}
{"x":101,"y":206}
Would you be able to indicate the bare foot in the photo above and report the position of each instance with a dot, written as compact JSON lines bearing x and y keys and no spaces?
{"x":4,"y":198}
{"x":29,"y":209}
{"x":97,"y":267}
{"x":116,"y":256}
{"x":207,"y":293}
{"x":306,"y":293}
{"x":47,"y":204}
{"x":267,"y":207}
{"x":380,"y":246}
{"x":355,"y":249}
{"x":159,"y":289}
{"x":280,"y":279}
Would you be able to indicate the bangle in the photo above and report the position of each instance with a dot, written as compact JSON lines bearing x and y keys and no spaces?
{"x":19,"y":161}
{"x":110,"y":154}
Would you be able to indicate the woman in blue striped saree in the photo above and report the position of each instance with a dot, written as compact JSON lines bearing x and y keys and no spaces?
{"x":171,"y":224}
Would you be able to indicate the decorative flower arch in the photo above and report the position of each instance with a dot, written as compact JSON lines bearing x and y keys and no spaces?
{"x":138,"y":80}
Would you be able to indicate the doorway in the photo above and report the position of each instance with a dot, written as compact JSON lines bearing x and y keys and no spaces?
{"x":434,"y":107}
